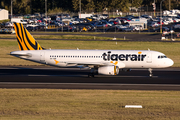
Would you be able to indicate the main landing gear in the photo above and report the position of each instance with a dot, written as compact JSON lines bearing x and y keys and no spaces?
{"x":150,"y":72}
{"x":90,"y":75}
{"x":93,"y":72}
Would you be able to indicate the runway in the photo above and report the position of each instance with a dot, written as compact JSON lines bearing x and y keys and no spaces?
{"x":76,"y":78}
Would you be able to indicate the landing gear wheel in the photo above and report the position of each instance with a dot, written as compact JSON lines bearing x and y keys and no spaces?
{"x":150,"y":75}
{"x":90,"y":75}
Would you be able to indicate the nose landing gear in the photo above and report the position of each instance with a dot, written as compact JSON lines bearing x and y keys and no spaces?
{"x":150,"y":72}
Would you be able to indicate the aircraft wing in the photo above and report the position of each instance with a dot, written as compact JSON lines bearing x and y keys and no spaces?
{"x":99,"y":64}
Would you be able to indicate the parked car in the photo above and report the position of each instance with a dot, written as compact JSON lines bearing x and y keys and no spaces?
{"x":31,"y":28}
{"x":76,"y":21}
{"x":68,"y":29}
{"x":2,"y":31}
{"x":101,"y":24}
{"x":146,"y":16}
{"x":7,"y":31}
{"x":10,"y":31}
{"x":88,"y":26}
{"x":33,"y":25}
{"x":96,"y":17}
{"x":138,"y":27}
{"x":176,"y":26}
{"x":163,"y":29}
{"x":129,"y":29}
{"x":129,"y":16}
{"x":104,"y":16}
{"x":154,"y":24}
{"x":61,"y":23}
{"x":9,"y":24}
{"x":2,"y":25}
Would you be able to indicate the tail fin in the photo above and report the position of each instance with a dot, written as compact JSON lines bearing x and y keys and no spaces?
{"x":25,"y":39}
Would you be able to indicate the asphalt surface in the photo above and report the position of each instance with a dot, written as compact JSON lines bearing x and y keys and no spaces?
{"x":76,"y":78}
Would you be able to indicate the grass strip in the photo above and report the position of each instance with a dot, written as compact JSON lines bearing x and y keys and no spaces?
{"x":170,"y":49}
{"x":75,"y":37}
{"x":137,"y":32}
{"x":50,"y":104}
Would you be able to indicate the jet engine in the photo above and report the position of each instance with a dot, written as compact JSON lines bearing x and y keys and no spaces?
{"x":108,"y":70}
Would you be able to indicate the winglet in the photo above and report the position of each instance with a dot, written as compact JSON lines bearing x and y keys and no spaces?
{"x":25,"y":39}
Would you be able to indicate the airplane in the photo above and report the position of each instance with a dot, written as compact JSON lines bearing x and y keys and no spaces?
{"x":105,"y":62}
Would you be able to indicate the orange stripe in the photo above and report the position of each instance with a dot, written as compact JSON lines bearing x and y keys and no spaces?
{"x":25,"y":40}
{"x":21,"y":35}
{"x":114,"y":70}
{"x":17,"y":37}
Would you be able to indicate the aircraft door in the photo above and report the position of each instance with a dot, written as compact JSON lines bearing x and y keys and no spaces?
{"x":149,"y":58}
{"x":42,"y":57}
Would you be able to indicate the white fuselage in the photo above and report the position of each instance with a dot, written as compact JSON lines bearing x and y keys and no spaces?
{"x":120,"y":58}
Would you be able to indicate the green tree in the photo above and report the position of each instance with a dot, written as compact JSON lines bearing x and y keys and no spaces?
{"x":119,"y":5}
{"x":75,"y":5}
{"x":90,"y":6}
{"x":173,"y":4}
{"x":101,"y":4}
{"x":137,"y":3}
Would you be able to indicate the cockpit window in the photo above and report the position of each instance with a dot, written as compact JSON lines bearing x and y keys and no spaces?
{"x":161,"y":56}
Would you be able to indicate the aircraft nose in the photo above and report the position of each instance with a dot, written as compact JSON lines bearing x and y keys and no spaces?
{"x":170,"y":62}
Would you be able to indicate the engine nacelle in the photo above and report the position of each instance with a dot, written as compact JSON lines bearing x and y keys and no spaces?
{"x":108,"y":70}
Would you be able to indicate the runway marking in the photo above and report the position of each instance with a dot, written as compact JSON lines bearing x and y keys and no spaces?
{"x":90,"y":84}
{"x":57,"y":75}
{"x":127,"y":76}
{"x":96,"y":76}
